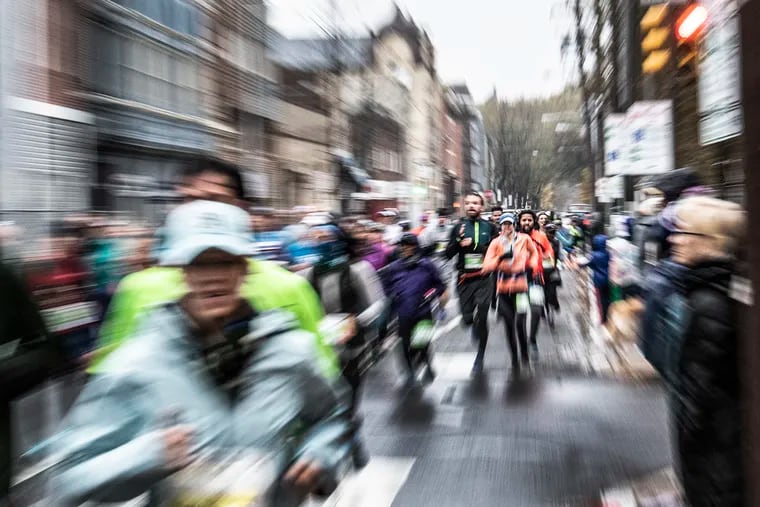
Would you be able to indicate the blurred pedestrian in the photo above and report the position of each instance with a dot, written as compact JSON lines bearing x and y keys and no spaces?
{"x":407,"y":282}
{"x":424,"y":221}
{"x":433,"y":242}
{"x":599,"y":263}
{"x":205,"y":364}
{"x":543,"y":219}
{"x":29,"y":357}
{"x":496,"y":213}
{"x":349,"y":288}
{"x":695,"y":348}
{"x":673,"y":185}
{"x":393,"y":231}
{"x":378,"y":251}
{"x":552,"y":277}
{"x":625,"y":277}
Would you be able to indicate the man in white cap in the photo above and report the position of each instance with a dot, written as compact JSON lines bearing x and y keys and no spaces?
{"x":227,"y":377}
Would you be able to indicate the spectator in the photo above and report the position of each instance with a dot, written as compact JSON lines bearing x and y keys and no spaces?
{"x":695,"y":349}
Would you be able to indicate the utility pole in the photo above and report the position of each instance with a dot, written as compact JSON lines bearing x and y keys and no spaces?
{"x":333,"y":84}
{"x":580,"y":49}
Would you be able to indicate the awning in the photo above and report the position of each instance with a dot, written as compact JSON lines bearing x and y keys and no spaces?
{"x":357,"y":174}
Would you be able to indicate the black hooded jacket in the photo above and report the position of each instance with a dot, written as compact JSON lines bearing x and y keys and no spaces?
{"x":707,"y":393}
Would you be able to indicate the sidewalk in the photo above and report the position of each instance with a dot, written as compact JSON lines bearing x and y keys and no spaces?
{"x":624,"y":361}
{"x":657,"y":490}
{"x":611,"y":357}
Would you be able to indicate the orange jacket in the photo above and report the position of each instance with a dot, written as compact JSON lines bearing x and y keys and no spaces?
{"x":511,"y":277}
{"x":545,"y":247}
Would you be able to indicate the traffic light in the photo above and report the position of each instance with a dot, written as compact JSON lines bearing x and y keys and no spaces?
{"x":688,"y":28}
{"x":691,"y":22}
{"x":655,"y":43}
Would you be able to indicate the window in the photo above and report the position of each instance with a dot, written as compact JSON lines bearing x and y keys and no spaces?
{"x":139,"y":70}
{"x":386,"y":160}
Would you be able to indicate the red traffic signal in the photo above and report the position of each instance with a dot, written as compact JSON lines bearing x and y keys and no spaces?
{"x":691,"y":23}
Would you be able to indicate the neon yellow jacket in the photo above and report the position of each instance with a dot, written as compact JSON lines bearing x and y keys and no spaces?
{"x":267,"y":287}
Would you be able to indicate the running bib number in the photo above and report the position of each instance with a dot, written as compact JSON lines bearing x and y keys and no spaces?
{"x":441,"y":247}
{"x":548,"y":264}
{"x":423,"y":334}
{"x":215,"y":501}
{"x":67,"y":317}
{"x":522,"y":303}
{"x":473,"y":261}
{"x":239,"y":481}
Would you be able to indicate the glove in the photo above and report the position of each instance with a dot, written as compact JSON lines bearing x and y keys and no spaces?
{"x":506,"y":255}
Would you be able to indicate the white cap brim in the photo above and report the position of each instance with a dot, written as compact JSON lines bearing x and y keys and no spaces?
{"x":186,"y":251}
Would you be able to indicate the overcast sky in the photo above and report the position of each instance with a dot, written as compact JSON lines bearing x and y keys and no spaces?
{"x":513,"y":45}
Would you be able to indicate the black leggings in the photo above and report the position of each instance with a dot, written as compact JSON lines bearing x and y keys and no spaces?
{"x":412,"y":357}
{"x":508,"y":312}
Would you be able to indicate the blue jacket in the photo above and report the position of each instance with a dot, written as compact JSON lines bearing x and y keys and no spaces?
{"x":407,"y":281}
{"x":663,"y":313}
{"x":110,"y":449}
{"x":600,"y":261}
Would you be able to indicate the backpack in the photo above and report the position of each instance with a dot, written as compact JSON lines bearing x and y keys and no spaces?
{"x":349,"y":298}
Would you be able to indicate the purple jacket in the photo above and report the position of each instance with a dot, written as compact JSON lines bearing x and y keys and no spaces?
{"x":377,"y":256}
{"x":406,"y":284}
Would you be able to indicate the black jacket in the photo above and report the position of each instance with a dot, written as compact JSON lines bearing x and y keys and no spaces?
{"x":480,"y":244}
{"x":27,"y":358}
{"x":706,"y":395}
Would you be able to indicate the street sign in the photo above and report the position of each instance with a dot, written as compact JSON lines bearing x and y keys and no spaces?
{"x":641,"y":141}
{"x":720,"y":99}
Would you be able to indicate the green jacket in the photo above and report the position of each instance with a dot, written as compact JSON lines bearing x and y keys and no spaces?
{"x":267,"y":287}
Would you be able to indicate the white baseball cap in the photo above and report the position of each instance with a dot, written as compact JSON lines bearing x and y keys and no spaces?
{"x":193,"y":228}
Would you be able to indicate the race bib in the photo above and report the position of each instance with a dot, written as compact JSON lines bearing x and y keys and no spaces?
{"x":440,"y":247}
{"x":548,"y":264}
{"x":229,"y":481}
{"x":473,"y":261}
{"x":522,"y":303}
{"x":68,"y":317}
{"x":423,"y":334}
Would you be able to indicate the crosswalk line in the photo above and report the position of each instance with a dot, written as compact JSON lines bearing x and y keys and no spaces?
{"x":375,"y":486}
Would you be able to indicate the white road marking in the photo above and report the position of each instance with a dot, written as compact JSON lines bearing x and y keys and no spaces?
{"x":375,"y":486}
{"x":453,"y":366}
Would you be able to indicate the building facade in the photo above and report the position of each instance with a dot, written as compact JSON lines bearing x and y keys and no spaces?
{"x":47,"y":154}
{"x":245,"y":94}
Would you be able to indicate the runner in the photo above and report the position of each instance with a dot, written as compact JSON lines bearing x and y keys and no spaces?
{"x":512,"y":256}
{"x":267,"y":285}
{"x":469,"y":242}
{"x":210,"y":382}
{"x":433,"y":242}
{"x":407,"y":282}
{"x":528,"y":225}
